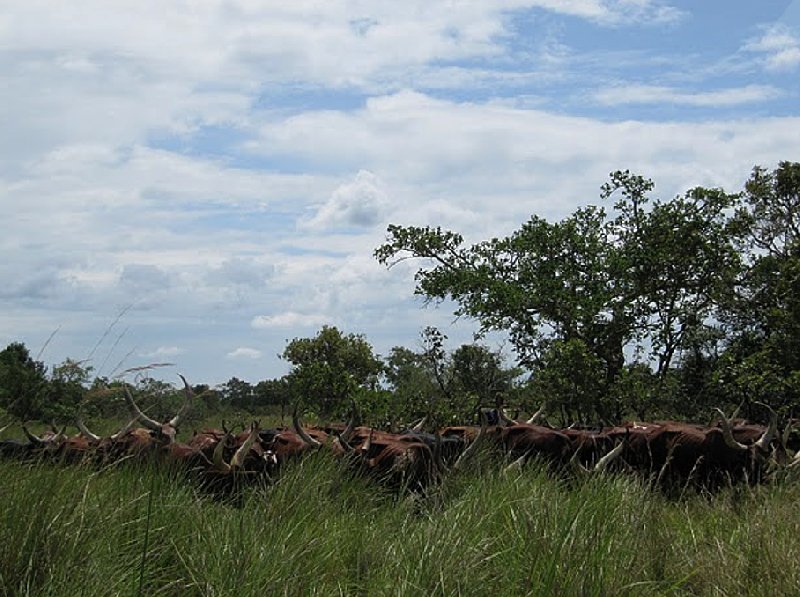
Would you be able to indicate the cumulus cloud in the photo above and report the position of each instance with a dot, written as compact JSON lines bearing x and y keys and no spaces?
{"x":242,"y":158}
{"x":361,"y":202}
{"x":289,"y":319}
{"x":779,"y":46}
{"x":244,"y":353}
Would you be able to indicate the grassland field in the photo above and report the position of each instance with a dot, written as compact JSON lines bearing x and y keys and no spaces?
{"x":319,"y":529}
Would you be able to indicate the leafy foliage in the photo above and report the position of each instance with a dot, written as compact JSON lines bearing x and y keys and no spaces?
{"x":329,"y":368}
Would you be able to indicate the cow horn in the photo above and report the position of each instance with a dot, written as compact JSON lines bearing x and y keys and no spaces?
{"x":219,"y":461}
{"x":238,"y":459}
{"x":187,"y":390}
{"x":128,"y":426}
{"x":61,"y":435}
{"x":147,"y":421}
{"x":346,"y":447}
{"x":85,"y":431}
{"x":727,"y":434}
{"x":575,"y":464}
{"x":351,"y":425}
{"x":603,"y":463}
{"x":298,"y":428}
{"x":438,"y":460}
{"x":420,"y":425}
{"x":765,"y":440}
{"x":537,"y":415}
{"x":31,"y":437}
{"x":504,"y":418}
{"x":516,"y":465}
{"x":472,"y":448}
{"x":365,"y":447}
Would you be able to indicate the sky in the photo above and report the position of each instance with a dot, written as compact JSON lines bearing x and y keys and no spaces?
{"x":199,"y":182}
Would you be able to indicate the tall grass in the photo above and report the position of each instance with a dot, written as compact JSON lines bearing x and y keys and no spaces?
{"x":321,"y":530}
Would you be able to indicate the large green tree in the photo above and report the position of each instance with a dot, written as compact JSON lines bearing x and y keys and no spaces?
{"x":595,"y":286}
{"x":763,"y":356}
{"x":328,"y":369}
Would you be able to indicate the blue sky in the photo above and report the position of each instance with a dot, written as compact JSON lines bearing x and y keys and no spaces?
{"x":198,"y":182}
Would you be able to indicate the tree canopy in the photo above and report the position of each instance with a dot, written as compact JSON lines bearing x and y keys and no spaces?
{"x":643,"y":281}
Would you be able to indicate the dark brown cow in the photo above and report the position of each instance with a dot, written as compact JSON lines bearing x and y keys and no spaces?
{"x":523,"y":441}
{"x":674,"y":453}
{"x":400,"y":460}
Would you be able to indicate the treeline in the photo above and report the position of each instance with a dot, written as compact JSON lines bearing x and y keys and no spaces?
{"x":330,"y":372}
{"x":636,"y":308}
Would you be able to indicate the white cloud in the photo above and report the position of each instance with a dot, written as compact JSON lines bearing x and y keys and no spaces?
{"x":149,"y":155}
{"x":653,"y":94}
{"x":289,"y":319}
{"x":615,"y":12}
{"x":361,"y":202}
{"x":164,"y":351}
{"x":244,"y":353}
{"x":780,"y":47}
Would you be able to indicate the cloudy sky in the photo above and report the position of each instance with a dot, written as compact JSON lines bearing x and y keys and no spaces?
{"x":199,"y":181}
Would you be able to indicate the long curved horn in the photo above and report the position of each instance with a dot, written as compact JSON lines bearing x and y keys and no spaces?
{"x":128,"y":426}
{"x":351,"y":426}
{"x":504,"y":418}
{"x":4,"y":428}
{"x":537,"y":415}
{"x":516,"y":465}
{"x":238,"y":459}
{"x":765,"y":440}
{"x":346,"y":447}
{"x":298,"y":428}
{"x":727,"y":434}
{"x":420,"y":425}
{"x":365,"y":447}
{"x":31,"y":437}
{"x":147,"y":421}
{"x":575,"y":464}
{"x":187,"y":390}
{"x":603,"y":463}
{"x":85,"y":431}
{"x":219,"y":461}
{"x":472,"y":448}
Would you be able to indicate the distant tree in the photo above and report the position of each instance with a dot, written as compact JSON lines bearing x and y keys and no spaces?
{"x":22,"y":382}
{"x":328,"y":369}
{"x":272,"y":392}
{"x":480,"y":373}
{"x":238,"y":394}
{"x":66,"y":389}
{"x":447,"y":385}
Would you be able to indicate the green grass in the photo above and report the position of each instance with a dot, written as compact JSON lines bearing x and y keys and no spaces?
{"x":320,"y":530}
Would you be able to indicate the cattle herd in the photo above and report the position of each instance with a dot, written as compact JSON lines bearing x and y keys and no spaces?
{"x":668,"y":453}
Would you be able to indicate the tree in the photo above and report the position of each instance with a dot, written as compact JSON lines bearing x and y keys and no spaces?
{"x":412,"y":382}
{"x":22,"y":381}
{"x":590,"y":284}
{"x":65,"y":391}
{"x":447,"y":386}
{"x":328,"y":369}
{"x":762,"y":358}
{"x":238,"y":393}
